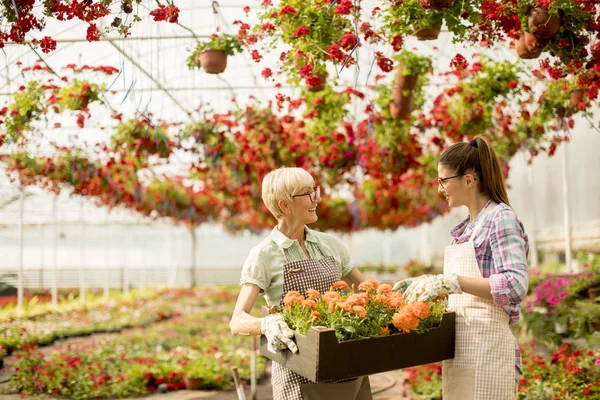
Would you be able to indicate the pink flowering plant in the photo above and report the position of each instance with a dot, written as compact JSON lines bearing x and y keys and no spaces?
{"x":371,"y":311}
{"x":316,"y":32}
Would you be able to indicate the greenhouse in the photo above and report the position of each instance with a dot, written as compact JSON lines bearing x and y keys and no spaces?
{"x":285,"y":199}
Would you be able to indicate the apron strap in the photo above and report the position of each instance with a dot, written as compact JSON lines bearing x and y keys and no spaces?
{"x":480,"y":220}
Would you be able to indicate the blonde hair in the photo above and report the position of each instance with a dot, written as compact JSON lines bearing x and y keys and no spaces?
{"x":282,"y":184}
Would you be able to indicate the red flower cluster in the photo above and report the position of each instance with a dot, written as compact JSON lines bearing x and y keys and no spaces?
{"x":169,"y":13}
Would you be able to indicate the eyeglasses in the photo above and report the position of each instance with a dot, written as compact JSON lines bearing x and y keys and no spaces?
{"x":441,"y":181}
{"x":314,"y":195}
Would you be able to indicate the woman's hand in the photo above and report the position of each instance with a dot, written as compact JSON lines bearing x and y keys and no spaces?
{"x":278,"y":333}
{"x":428,"y":287}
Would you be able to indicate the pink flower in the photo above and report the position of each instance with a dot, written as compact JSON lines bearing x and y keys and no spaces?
{"x":597,"y":362}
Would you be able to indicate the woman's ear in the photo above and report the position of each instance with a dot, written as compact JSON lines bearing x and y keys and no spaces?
{"x":284,"y":207}
{"x":469,"y":180}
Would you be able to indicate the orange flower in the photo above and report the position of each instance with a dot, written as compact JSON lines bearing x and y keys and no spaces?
{"x":405,"y":321}
{"x":420,"y":309}
{"x":384,"y":289}
{"x":344,"y":306}
{"x":331,"y":296}
{"x":368,"y":285}
{"x":363,"y":298}
{"x":331,"y":306}
{"x":315,"y":316}
{"x":355,"y":299}
{"x":396,"y":300}
{"x":360,"y":311}
{"x":312,"y":294}
{"x":384,"y":331}
{"x":340,"y":285}
{"x":292,"y":297}
{"x":310,"y":304}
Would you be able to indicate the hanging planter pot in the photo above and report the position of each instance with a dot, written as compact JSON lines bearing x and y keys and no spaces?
{"x":320,"y":87}
{"x":213,"y":61}
{"x":428,"y":34}
{"x":542,"y":24}
{"x":563,"y":112}
{"x":475,"y":115}
{"x":440,"y":5}
{"x":403,"y":105}
{"x":523,"y":51}
{"x":534,"y":43}
{"x":406,"y":82}
{"x":577,"y":96}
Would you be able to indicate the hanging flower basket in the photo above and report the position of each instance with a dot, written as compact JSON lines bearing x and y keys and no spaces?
{"x":429,"y":34}
{"x":534,"y":43}
{"x":213,"y":61}
{"x":402,"y":108}
{"x":524,"y":52}
{"x":406,"y":82}
{"x":440,"y":5}
{"x":542,"y":24}
{"x":320,"y":87}
{"x":577,"y":96}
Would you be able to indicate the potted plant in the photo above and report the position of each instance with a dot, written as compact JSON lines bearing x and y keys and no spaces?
{"x":212,"y":54}
{"x":141,"y":135}
{"x":78,"y":95}
{"x":316,"y":32}
{"x":410,"y":66}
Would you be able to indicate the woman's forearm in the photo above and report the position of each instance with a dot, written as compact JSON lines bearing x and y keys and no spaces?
{"x":476,"y":286}
{"x":245,"y":324}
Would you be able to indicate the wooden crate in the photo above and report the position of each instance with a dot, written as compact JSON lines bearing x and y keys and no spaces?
{"x":322,"y":358}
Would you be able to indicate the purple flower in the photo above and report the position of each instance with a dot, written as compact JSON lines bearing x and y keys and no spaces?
{"x":35,"y":368}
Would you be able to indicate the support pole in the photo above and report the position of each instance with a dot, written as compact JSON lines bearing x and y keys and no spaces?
{"x":533,"y":256}
{"x":567,"y":222}
{"x":82,"y":253}
{"x":21,"y":281}
{"x":55,"y":252}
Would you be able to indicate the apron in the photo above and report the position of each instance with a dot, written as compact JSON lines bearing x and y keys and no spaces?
{"x":288,"y":385}
{"x":483,"y":367}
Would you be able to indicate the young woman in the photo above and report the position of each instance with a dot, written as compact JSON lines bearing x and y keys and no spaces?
{"x":485,"y":275}
{"x":293,"y":257}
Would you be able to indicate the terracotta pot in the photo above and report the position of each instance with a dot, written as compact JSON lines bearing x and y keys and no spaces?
{"x":428,"y":34}
{"x":406,"y":82}
{"x":562,"y":112}
{"x":402,"y":108}
{"x":440,"y":5}
{"x":321,"y":86}
{"x":475,"y":114}
{"x":577,"y":96}
{"x":542,"y":24}
{"x":523,"y":52}
{"x":192,"y":383}
{"x":533,"y":43}
{"x":213,"y":61}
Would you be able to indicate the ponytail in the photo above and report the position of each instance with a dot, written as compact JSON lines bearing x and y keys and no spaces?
{"x":479,"y":158}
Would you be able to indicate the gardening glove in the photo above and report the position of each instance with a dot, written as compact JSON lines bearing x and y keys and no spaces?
{"x":428,"y":287}
{"x":278,"y":333}
{"x":403,"y":284}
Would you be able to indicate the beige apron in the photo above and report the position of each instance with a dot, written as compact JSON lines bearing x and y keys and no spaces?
{"x":288,"y":385}
{"x":483,"y":367}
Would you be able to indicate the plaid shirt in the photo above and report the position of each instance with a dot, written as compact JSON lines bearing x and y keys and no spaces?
{"x":501,"y":248}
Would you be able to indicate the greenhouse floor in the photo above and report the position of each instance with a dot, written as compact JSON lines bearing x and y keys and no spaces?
{"x":385,"y":386}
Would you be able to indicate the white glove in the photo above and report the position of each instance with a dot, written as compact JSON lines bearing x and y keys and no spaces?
{"x":278,"y":333}
{"x":429,"y":287}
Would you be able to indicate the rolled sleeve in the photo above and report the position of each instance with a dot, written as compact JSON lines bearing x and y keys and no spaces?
{"x":508,"y":241}
{"x":255,"y":272}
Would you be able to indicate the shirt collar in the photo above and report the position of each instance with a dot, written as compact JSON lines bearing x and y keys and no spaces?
{"x":285,"y":242}
{"x":459,"y":229}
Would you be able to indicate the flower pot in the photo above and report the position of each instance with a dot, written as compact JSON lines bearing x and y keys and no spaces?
{"x":428,"y":34}
{"x":440,"y":5}
{"x":523,"y":52}
{"x":475,"y":115}
{"x":402,"y":108}
{"x":560,"y":328}
{"x":323,"y":78}
{"x":542,"y":24}
{"x":406,"y":82}
{"x":192,"y":383}
{"x":562,"y":112}
{"x":533,"y":43}
{"x":213,"y":61}
{"x":576,"y":97}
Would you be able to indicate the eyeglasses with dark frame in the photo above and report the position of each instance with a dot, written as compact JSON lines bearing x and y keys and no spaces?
{"x":441,"y":181}
{"x":314,"y":195}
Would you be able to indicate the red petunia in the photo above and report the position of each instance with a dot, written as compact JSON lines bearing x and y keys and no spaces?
{"x":301,"y":31}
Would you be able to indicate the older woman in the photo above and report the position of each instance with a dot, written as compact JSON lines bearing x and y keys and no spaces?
{"x":292,"y":257}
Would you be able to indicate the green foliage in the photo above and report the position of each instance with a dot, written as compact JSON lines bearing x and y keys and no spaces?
{"x":413,"y":64}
